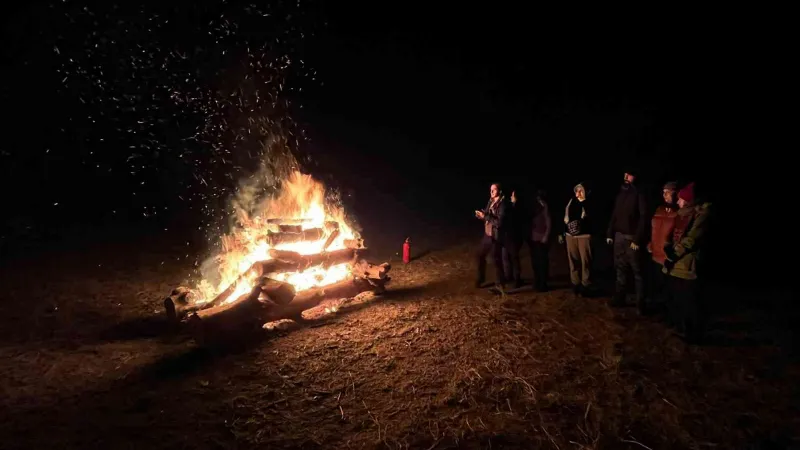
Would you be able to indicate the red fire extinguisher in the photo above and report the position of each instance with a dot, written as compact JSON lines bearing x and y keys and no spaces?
{"x":407,"y":251}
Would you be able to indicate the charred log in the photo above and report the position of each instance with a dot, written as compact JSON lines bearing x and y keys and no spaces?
{"x":177,"y":302}
{"x":311,"y":234}
{"x":310,"y":298}
{"x":248,"y":310}
{"x":242,"y":313}
{"x":279,"y":292}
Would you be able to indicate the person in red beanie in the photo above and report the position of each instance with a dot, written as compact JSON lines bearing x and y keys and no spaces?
{"x":661,"y":227}
{"x":683,"y":257}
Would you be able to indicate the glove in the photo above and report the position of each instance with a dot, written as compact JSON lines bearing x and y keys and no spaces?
{"x":634,"y":246}
{"x":609,"y":241}
{"x":560,"y":239}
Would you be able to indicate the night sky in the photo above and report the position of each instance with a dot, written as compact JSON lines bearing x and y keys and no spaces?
{"x":146,"y":117}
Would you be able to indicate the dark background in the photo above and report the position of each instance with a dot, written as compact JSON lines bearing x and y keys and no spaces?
{"x":411,"y":111}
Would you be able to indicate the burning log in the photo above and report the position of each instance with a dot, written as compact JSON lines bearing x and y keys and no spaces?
{"x":290,"y":228}
{"x":311,"y":234}
{"x":285,"y":221}
{"x":372,"y":271}
{"x":331,"y":237}
{"x":177,"y":302}
{"x":234,"y":317}
{"x":312,"y":297}
{"x":354,"y":243}
{"x":301,"y":262}
{"x":279,"y":292}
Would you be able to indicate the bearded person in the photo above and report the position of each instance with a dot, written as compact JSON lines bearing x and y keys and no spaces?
{"x":626,"y":231}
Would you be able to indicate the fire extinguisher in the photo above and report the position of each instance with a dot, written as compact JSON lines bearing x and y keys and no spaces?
{"x":407,"y":251}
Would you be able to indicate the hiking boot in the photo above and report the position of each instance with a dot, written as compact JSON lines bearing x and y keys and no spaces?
{"x":498,"y":289}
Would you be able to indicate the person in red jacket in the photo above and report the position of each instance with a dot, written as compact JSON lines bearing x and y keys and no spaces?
{"x":662,"y":224}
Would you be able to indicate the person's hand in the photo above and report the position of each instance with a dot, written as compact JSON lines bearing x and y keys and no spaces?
{"x":634,"y":246}
{"x":560,"y":239}
{"x":609,"y":241}
{"x":479,"y":214}
{"x":649,"y":247}
{"x":668,"y":265}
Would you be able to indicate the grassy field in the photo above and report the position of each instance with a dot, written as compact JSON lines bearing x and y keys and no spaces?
{"x":86,"y":361}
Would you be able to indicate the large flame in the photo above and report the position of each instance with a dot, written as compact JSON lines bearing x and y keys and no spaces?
{"x":300,"y":197}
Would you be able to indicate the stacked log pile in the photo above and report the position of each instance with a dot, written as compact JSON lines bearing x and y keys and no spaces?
{"x":270,"y":299}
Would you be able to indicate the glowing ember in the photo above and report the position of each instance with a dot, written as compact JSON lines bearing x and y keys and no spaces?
{"x":301,"y":201}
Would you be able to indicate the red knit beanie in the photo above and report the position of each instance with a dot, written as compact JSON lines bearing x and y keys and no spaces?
{"x":687,"y":193}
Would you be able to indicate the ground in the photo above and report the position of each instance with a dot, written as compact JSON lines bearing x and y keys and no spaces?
{"x":87,"y":361}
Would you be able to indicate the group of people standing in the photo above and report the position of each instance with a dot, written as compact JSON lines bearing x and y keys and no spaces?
{"x":657,"y":254}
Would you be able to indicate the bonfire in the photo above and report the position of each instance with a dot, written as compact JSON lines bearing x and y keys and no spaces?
{"x":297,"y":252}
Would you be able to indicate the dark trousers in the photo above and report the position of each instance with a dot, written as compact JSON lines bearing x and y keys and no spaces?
{"x":540,"y":260}
{"x":656,"y":283}
{"x":686,"y":308}
{"x":489,"y":246}
{"x":627,"y":260}
{"x":511,"y":264}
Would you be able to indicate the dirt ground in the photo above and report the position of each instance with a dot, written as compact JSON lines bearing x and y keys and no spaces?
{"x":86,"y":361}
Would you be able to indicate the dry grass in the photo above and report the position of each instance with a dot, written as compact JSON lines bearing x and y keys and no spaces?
{"x":433,"y":364}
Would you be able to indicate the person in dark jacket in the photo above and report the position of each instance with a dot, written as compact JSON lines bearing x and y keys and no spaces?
{"x":496,"y":235}
{"x":520,"y":222}
{"x":578,"y":217}
{"x":541,"y":227}
{"x":626,"y":231}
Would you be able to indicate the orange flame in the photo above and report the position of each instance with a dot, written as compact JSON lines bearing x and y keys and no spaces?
{"x":300,"y":197}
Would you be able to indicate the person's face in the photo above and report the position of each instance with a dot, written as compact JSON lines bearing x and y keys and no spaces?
{"x":494,"y":191}
{"x":580,"y":194}
{"x":669,"y":196}
{"x":628,"y":178}
{"x":682,"y":203}
{"x":514,"y":197}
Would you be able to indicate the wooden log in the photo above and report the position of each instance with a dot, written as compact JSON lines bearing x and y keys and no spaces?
{"x":368,"y":270}
{"x":177,"y":309}
{"x":288,"y":221}
{"x":310,"y":298}
{"x":176,"y":303}
{"x":243,"y":313}
{"x":331,"y":237}
{"x":302,"y":262}
{"x":311,"y":234}
{"x":354,"y":243}
{"x":279,"y":292}
{"x":290,"y":228}
{"x":249,"y":310}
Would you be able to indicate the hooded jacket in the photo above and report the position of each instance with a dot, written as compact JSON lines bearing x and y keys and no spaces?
{"x":579,"y":213}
